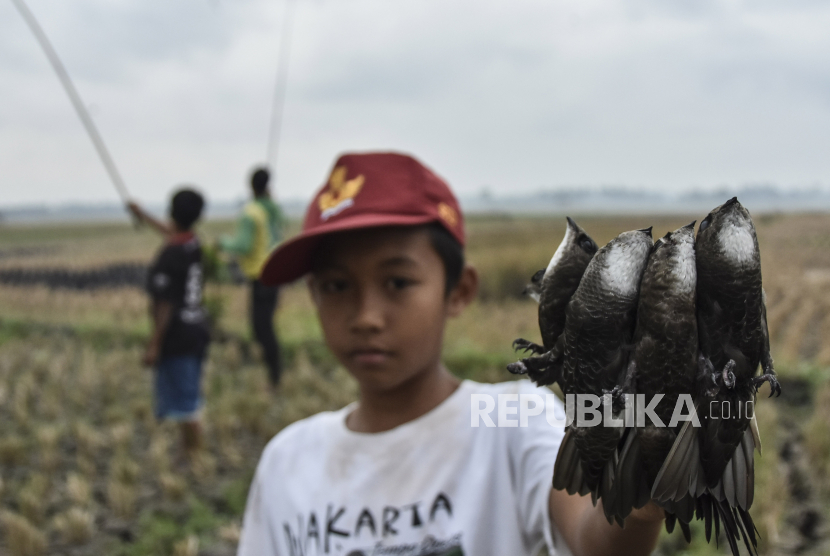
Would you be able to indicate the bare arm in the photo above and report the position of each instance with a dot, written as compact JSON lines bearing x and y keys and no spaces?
{"x":161,"y":227}
{"x":160,"y":312}
{"x":588,"y":533}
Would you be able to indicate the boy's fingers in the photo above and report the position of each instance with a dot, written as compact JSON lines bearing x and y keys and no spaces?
{"x":649,"y":512}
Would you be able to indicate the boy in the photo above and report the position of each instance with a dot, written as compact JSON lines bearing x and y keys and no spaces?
{"x":180,"y":334}
{"x":403,"y":471}
{"x":259,"y":229}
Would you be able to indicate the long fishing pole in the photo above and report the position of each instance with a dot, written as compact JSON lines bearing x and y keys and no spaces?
{"x":280,"y":85}
{"x":59,"y":68}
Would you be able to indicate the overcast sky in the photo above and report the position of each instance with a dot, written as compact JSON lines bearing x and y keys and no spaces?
{"x":513,"y":96}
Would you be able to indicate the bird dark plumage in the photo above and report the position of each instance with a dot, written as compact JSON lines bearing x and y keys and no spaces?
{"x":716,"y":460}
{"x":733,"y":330}
{"x":595,"y":345}
{"x":561,"y":279}
{"x":555,"y":286}
{"x":664,"y":362}
{"x":683,"y":319}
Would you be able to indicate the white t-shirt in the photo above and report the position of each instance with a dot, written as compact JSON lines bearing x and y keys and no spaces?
{"x":436,"y":485}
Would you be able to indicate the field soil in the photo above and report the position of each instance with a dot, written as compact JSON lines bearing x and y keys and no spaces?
{"x":85,"y":469}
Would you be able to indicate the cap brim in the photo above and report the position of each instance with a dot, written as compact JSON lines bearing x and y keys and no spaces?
{"x":293,"y":259}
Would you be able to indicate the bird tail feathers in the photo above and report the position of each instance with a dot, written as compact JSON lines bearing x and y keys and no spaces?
{"x":567,"y":471}
{"x":737,"y":484}
{"x":631,"y":488}
{"x":737,"y":524}
{"x":681,"y":473}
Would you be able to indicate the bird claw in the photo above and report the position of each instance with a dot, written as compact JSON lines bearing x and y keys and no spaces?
{"x":774,"y":386}
{"x":517,"y":368}
{"x":723,"y":379}
{"x":726,"y":378}
{"x":728,"y":375}
{"x":617,"y":395}
{"x":526,"y":346}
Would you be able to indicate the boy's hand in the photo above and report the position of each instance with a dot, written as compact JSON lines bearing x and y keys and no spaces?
{"x":151,"y":354}
{"x":587,"y":531}
{"x":649,"y":512}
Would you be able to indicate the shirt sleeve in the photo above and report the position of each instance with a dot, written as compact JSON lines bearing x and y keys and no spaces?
{"x":160,"y":278}
{"x":243,"y":241}
{"x":534,"y":455}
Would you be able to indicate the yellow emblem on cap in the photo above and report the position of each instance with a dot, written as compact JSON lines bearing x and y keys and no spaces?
{"x":448,"y":213}
{"x":340,"y":193}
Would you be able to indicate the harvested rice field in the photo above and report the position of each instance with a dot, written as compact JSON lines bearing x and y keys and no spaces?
{"x":85,"y":469}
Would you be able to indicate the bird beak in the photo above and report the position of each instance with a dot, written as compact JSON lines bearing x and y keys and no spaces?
{"x":691,"y":225}
{"x":572,"y":224}
{"x":646,"y":230}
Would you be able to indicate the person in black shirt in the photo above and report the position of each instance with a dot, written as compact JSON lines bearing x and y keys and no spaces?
{"x":180,"y":333}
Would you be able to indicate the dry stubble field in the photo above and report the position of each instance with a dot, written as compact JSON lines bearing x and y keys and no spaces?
{"x":86,"y":470}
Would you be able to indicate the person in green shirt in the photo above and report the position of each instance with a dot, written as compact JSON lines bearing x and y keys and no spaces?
{"x":259,"y":229}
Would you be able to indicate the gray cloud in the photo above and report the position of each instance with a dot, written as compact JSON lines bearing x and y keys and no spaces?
{"x":516,"y":96}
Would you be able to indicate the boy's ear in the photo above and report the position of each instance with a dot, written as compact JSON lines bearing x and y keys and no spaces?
{"x":464,"y":292}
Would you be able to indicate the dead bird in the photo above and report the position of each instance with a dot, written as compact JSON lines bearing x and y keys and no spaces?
{"x":664,"y":362}
{"x":596,"y":345}
{"x":555,"y":286}
{"x":717,"y":457}
{"x":561,"y":279}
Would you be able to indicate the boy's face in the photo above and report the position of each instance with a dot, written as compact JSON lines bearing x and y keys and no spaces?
{"x":380,"y":297}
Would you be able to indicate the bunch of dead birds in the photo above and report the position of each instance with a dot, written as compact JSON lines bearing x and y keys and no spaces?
{"x":684,"y":315}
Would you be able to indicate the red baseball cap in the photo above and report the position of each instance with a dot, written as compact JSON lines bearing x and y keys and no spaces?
{"x":366,"y":191}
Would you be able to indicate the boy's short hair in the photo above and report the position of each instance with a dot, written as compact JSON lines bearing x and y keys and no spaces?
{"x":374,"y":190}
{"x":186,"y":207}
{"x":451,"y":253}
{"x":259,"y":180}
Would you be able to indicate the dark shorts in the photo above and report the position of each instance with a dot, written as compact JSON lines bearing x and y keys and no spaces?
{"x":178,"y":392}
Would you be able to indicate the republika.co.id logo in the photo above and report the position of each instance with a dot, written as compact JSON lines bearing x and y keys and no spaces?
{"x":589,"y":410}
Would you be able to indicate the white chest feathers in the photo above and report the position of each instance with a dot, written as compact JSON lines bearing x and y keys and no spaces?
{"x":624,"y":269}
{"x":737,"y":244}
{"x":684,"y":271}
{"x":560,"y":251}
